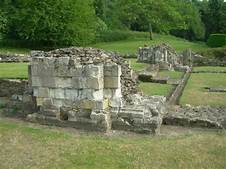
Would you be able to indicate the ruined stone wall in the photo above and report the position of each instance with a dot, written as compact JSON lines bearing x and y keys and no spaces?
{"x":14,"y":58}
{"x":89,"y":88}
{"x":162,"y":54}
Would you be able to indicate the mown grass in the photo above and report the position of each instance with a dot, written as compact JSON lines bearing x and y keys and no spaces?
{"x":39,"y":148}
{"x":170,"y":74}
{"x":13,"y":70}
{"x":131,"y":46}
{"x":152,"y":89}
{"x":136,"y":65}
{"x":195,"y":94}
{"x":209,"y":68}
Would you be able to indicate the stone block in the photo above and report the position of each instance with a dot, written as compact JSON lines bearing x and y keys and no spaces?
{"x":94,"y":83}
{"x":112,"y":70}
{"x":43,"y":82}
{"x":93,"y":71}
{"x":78,"y":82}
{"x":87,"y":104}
{"x":63,"y":82}
{"x":90,"y":94}
{"x":76,"y":71}
{"x":87,"y":83}
{"x":98,"y":117}
{"x":57,"y":93}
{"x":102,"y":105}
{"x":116,"y":102}
{"x":58,"y":102}
{"x":42,"y":69}
{"x":112,"y":82}
{"x":43,"y":101}
{"x":112,"y":93}
{"x":71,"y":94}
{"x":41,"y":92}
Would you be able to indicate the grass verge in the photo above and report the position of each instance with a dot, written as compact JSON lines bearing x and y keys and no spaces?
{"x":136,"y":65}
{"x":152,"y":89}
{"x":13,"y":70}
{"x":29,"y":147}
{"x":131,"y":46}
{"x":195,"y":94}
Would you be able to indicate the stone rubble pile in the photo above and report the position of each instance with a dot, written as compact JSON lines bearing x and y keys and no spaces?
{"x":86,"y":56}
{"x":201,"y":116}
{"x":14,"y":58}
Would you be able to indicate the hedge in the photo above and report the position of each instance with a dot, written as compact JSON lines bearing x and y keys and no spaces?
{"x":217,"y":40}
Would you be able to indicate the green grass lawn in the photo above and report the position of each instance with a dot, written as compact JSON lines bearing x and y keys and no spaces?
{"x":171,"y":74}
{"x":131,"y":46}
{"x":41,"y":148}
{"x":209,"y":68}
{"x":137,"y":66}
{"x":14,"y":70}
{"x":151,"y":89}
{"x":195,"y":94}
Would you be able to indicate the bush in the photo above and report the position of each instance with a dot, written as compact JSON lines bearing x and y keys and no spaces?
{"x":117,"y":35}
{"x":217,"y":40}
{"x":215,"y":53}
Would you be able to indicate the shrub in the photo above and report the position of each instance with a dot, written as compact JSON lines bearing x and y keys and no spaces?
{"x":217,"y":40}
{"x":214,"y":53}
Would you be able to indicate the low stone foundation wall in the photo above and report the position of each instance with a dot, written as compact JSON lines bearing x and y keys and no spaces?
{"x":201,"y":116}
{"x":14,"y":58}
{"x":178,"y":90}
{"x":12,"y":87}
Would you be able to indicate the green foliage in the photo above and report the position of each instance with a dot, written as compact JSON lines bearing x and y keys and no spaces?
{"x":3,"y":22}
{"x":53,"y":22}
{"x":162,"y":15}
{"x":213,"y":13}
{"x":214,"y":53}
{"x":217,"y":40}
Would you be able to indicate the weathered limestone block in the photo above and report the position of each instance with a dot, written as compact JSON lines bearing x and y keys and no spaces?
{"x":112,"y":93}
{"x":93,"y":71}
{"x":43,"y":101}
{"x":90,"y":94}
{"x":71,"y":94}
{"x":57,"y":93}
{"x":44,"y":81}
{"x":63,"y":82}
{"x":87,"y":83}
{"x":41,"y":92}
{"x":98,"y":117}
{"x":112,"y":82}
{"x":111,"y":70}
{"x":93,"y":105}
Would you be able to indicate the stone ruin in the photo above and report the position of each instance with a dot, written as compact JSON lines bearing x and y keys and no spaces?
{"x":90,"y":88}
{"x":163,"y":55}
{"x":166,"y":57}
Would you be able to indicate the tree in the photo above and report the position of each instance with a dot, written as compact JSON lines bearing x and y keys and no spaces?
{"x":214,"y":17}
{"x":52,"y":22}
